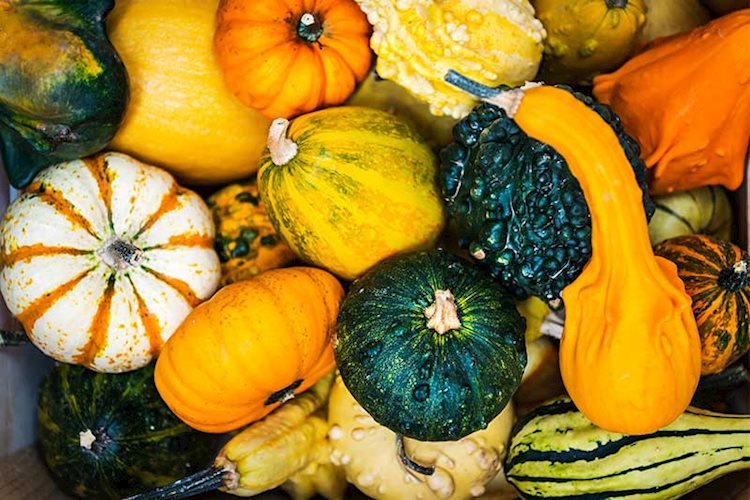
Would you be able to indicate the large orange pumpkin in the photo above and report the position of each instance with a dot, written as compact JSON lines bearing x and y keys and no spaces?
{"x":288,"y":57}
{"x":252,"y":346}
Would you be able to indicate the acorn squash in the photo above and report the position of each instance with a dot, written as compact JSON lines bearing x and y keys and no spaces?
{"x":63,"y":88}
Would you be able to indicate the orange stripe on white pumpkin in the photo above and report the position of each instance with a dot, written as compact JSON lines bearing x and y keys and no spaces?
{"x":99,"y":327}
{"x":29,"y":316}
{"x":39,"y":249}
{"x":97,"y":166}
{"x":188,"y":240}
{"x":150,"y":323}
{"x":61,"y":204}
{"x":178,"y":285}
{"x":169,"y":202}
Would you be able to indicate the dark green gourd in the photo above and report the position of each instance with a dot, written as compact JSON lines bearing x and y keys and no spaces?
{"x":430,"y":346}
{"x":63,"y":88}
{"x":517,"y":207}
{"x":110,"y":435}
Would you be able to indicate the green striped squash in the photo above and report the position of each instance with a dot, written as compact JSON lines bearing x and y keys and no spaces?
{"x":555,"y":452}
{"x":705,"y":210}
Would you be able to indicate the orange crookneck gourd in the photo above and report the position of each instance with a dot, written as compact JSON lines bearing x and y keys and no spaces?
{"x":630,"y":353}
{"x":686,"y":99}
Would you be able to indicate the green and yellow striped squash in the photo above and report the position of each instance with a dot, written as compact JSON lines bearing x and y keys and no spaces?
{"x":556,"y":452}
{"x":704,"y":210}
{"x":348,"y":187}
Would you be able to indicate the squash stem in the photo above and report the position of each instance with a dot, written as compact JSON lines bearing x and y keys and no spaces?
{"x":503,"y":97}
{"x":282,"y":149}
{"x":442,"y":315}
{"x":408,"y":462}
{"x":200,"y":482}
{"x":616,"y":4}
{"x":12,"y":339}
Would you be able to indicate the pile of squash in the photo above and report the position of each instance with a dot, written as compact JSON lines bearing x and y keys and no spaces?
{"x":428,"y":249}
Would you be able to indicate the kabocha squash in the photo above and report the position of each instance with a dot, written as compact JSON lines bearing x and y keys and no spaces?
{"x":246,"y":241}
{"x":252,"y":346}
{"x":587,"y":37}
{"x":693,"y":128}
{"x":430,"y":346}
{"x":286,"y":57}
{"x":181,"y":116}
{"x":556,"y":452}
{"x":672,"y":17}
{"x":109,"y":436}
{"x":715,"y":274}
{"x":460,"y":469}
{"x":517,"y":207}
{"x":63,"y":88}
{"x":417,"y":41}
{"x":703,"y":210}
{"x":348,"y":187}
{"x":103,"y":258}
{"x":628,"y":322}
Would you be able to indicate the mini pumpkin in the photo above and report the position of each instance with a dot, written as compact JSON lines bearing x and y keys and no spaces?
{"x":285,"y":58}
{"x":103,"y":258}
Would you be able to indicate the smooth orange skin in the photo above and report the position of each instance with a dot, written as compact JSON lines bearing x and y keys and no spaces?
{"x":269,"y":67}
{"x":630,"y":355}
{"x":686,"y":100}
{"x":251,"y":339}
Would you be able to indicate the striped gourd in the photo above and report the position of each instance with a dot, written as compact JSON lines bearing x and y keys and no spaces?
{"x":704,"y":210}
{"x":103,"y":258}
{"x":556,"y":452}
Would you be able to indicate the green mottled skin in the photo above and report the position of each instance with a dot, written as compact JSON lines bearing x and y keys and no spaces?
{"x":140,"y":443}
{"x":413,"y":380}
{"x":63,"y":88}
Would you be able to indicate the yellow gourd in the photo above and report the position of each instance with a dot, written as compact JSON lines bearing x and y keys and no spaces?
{"x":320,"y":478}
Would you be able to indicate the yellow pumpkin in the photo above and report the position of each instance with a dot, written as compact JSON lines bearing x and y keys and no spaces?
{"x":181,"y":116}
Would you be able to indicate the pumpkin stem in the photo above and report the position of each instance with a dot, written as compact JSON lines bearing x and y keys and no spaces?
{"x":442,"y":315}
{"x":12,"y":339}
{"x":119,"y":254}
{"x":503,"y":97}
{"x":200,"y":482}
{"x":284,"y":394}
{"x":282,"y":149}
{"x":408,"y":462}
{"x":309,"y":28}
{"x":616,"y":4}
{"x":734,"y":278}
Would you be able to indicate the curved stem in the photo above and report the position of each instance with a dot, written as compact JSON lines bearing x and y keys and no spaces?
{"x":200,"y":482}
{"x":470,"y":86}
{"x":408,"y":462}
{"x":505,"y":98}
{"x":13,"y":339}
{"x":282,"y":149}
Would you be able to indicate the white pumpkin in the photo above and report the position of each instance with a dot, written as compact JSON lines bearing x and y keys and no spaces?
{"x":103,"y":258}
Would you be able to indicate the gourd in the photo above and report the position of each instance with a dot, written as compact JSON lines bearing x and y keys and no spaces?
{"x":320,"y":478}
{"x":102,"y":259}
{"x":655,"y":89}
{"x":265,"y":454}
{"x":556,"y":452}
{"x":348,"y":187}
{"x":417,"y":41}
{"x":254,"y":345}
{"x":460,"y":469}
{"x":181,"y":116}
{"x":63,"y":88}
{"x":430,"y":346}
{"x":285,"y":58}
{"x":672,"y":17}
{"x":246,"y":241}
{"x":516,"y":205}
{"x":587,"y":37}
{"x":109,"y":436}
{"x":703,"y":210}
{"x":628,"y":321}
{"x":715,"y":273}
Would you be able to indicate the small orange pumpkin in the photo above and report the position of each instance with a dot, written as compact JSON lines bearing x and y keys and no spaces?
{"x":288,"y":57}
{"x":251,"y":347}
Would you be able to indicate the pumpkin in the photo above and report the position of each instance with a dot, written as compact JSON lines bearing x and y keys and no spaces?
{"x":703,"y":210}
{"x":430,"y":346}
{"x":628,"y":322}
{"x":252,"y":346}
{"x":417,"y":41}
{"x":109,"y":436}
{"x":285,"y":58}
{"x":103,"y":258}
{"x":460,"y":469}
{"x":348,"y":187}
{"x":587,"y":37}
{"x":672,"y":17}
{"x":693,"y":128}
{"x":63,"y":89}
{"x":181,"y":116}
{"x":715,"y":273}
{"x":246,"y":241}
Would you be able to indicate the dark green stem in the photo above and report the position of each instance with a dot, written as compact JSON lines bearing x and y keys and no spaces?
{"x":200,"y":482}
{"x":734,"y":278}
{"x":309,"y":27}
{"x":471,"y":86}
{"x":408,"y":462}
{"x":12,"y":339}
{"x":284,"y":394}
{"x":616,"y":4}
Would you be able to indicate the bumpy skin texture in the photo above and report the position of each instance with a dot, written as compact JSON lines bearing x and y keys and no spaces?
{"x":139,"y":443}
{"x":518,"y":209}
{"x":414,"y":380}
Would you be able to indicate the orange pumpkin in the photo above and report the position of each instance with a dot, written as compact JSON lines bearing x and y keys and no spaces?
{"x":251,"y":347}
{"x":288,"y":57}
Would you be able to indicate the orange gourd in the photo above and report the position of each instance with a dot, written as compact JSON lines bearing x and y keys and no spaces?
{"x":251,"y":347}
{"x":687,"y":102}
{"x":288,"y":57}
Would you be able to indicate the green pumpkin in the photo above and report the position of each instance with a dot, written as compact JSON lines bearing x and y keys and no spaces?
{"x":430,"y":346}
{"x":63,"y":88}
{"x":110,"y":435}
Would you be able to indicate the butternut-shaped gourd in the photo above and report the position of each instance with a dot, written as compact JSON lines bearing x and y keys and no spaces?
{"x":686,"y":100}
